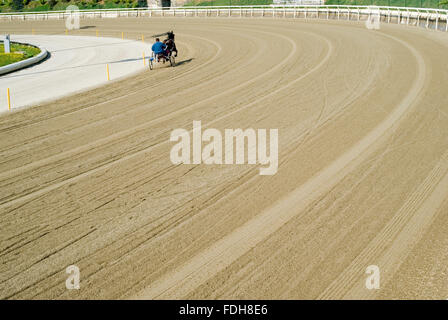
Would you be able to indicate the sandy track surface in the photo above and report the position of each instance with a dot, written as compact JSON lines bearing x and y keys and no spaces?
{"x":362,"y":178}
{"x":76,"y":63}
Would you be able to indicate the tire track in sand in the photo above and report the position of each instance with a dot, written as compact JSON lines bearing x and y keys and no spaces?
{"x":121,"y":97}
{"x":134,"y":107}
{"x":132,"y":130}
{"x":405,"y":228}
{"x":178,"y":283}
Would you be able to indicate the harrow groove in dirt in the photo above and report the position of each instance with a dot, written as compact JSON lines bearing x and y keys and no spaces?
{"x":362,"y":177}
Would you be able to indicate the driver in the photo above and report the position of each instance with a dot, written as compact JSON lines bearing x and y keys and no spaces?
{"x":167,"y":48}
{"x":158,"y":48}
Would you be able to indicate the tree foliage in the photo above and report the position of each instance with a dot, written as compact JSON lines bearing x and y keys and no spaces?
{"x":17,"y":5}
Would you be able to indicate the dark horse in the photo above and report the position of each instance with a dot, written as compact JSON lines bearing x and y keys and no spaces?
{"x":170,"y":44}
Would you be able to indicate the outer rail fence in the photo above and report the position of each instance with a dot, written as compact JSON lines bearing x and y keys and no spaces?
{"x":435,"y":19}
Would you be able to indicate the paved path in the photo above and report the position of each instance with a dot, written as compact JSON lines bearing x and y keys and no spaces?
{"x":76,"y":63}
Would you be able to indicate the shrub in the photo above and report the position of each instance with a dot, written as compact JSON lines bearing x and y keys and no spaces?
{"x":34,"y":4}
{"x":17,"y":5}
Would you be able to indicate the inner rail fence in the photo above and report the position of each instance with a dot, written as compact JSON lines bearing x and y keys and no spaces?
{"x":434,"y":19}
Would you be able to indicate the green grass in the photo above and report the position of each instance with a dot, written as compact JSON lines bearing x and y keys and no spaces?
{"x":391,"y":3}
{"x":19,"y":52}
{"x":228,"y":2}
{"x":54,"y":5}
{"x":442,"y":4}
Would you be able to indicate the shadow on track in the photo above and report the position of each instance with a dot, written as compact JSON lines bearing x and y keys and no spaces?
{"x":179,"y":63}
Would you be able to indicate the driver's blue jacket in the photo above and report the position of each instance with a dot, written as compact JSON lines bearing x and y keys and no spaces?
{"x":158,"y":47}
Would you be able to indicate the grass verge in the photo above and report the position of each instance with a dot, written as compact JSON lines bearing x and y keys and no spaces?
{"x":19,"y":52}
{"x":227,"y":2}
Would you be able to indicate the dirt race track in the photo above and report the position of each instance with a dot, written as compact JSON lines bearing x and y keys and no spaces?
{"x":362,"y":178}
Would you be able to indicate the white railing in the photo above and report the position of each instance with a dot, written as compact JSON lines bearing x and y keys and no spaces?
{"x":300,"y":2}
{"x":422,"y":17}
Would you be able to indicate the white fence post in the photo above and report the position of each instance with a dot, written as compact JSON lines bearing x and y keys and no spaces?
{"x":446,"y":21}
{"x":437,"y":21}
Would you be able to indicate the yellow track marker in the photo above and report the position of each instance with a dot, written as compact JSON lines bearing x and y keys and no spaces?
{"x":144,"y":61}
{"x":143,"y":38}
{"x":97,"y":33}
{"x":66,"y":31}
{"x":122,"y":35}
{"x":107,"y":71}
{"x":9,"y":99}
